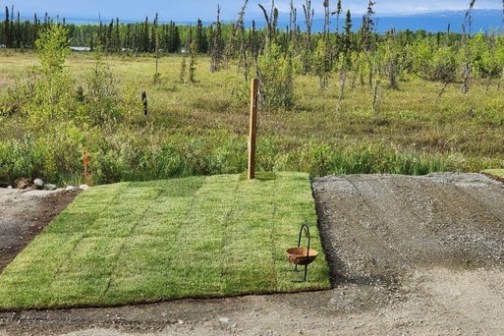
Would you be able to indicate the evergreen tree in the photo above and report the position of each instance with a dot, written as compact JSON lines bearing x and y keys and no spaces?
{"x":117,"y":37}
{"x":217,"y":45}
{"x":145,"y":36}
{"x":292,"y":24}
{"x":153,"y":35}
{"x":368,"y":27}
{"x":35,"y":30}
{"x":337,"y":12}
{"x":108,"y":37}
{"x":201,"y":38}
{"x":18,"y":32}
{"x":172,"y":38}
{"x":347,"y":36}
{"x":7,"y":31}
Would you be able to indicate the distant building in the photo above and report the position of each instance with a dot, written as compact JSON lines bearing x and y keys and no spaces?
{"x":80,"y":48}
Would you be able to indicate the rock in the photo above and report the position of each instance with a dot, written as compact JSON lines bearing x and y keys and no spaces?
{"x":71,"y":188}
{"x":22,"y":183}
{"x":84,"y":187}
{"x":38,"y":183}
{"x":49,"y":186}
{"x":227,"y":321}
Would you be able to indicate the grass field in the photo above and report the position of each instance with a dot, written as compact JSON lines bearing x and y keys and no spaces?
{"x":150,"y":241}
{"x":201,"y":128}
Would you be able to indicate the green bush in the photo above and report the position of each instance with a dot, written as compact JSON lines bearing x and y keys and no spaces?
{"x":15,"y":161}
{"x":276,"y":72}
{"x":53,"y":100}
{"x":104,"y":99}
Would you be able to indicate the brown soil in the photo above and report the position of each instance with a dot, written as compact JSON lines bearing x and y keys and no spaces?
{"x":408,"y":255}
{"x":24,"y":213}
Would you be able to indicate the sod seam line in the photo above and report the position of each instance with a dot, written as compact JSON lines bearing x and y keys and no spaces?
{"x":225,"y":238}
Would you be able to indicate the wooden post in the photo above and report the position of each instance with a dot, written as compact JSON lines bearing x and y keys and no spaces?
{"x":254,"y":92}
{"x":86,"y":160}
{"x":144,"y":102}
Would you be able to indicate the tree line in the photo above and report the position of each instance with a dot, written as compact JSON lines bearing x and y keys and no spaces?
{"x":352,"y":56}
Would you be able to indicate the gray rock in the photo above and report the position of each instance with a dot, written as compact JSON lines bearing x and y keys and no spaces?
{"x":38,"y":183}
{"x":84,"y":187}
{"x":227,"y":322}
{"x":49,"y":186}
{"x":71,"y":188}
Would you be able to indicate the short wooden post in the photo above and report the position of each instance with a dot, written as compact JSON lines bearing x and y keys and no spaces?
{"x":86,"y":160}
{"x":144,"y":102}
{"x":254,"y":92}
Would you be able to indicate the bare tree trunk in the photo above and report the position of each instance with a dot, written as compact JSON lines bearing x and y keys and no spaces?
{"x":342,"y":82}
{"x":465,"y":41}
{"x":442,"y":91}
{"x":376,"y":97}
{"x":467,"y":78}
{"x":392,"y":74}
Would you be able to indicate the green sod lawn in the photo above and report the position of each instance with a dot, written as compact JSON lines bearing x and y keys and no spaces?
{"x":150,"y":241}
{"x":496,"y":174}
{"x":499,"y":173}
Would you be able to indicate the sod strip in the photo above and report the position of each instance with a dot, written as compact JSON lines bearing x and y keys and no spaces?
{"x":149,"y":241}
{"x":497,"y":174}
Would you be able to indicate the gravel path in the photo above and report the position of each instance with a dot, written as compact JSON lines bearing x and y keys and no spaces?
{"x":408,"y":255}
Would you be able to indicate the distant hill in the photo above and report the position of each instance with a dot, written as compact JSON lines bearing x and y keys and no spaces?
{"x":482,"y":20}
{"x":486,"y":20}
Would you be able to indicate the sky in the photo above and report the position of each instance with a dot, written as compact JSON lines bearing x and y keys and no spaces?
{"x":190,"y":10}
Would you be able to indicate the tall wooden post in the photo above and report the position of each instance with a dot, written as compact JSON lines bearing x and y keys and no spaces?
{"x":254,"y":92}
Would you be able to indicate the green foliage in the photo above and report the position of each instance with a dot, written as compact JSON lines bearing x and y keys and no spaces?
{"x":103,"y":103}
{"x":444,"y":65}
{"x":490,"y":59}
{"x":53,"y":99}
{"x":374,"y":159}
{"x":422,"y":56}
{"x":55,"y":156}
{"x":322,"y":63}
{"x":276,"y":72}
{"x":15,"y":160}
{"x":53,"y":49}
{"x":201,"y":129}
{"x":168,"y":239}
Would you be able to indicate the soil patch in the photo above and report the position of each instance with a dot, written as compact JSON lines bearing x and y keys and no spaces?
{"x":24,"y":213}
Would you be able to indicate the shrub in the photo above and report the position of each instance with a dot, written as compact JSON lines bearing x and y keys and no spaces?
{"x":53,"y":100}
{"x":276,"y":72}
{"x":104,"y":98}
{"x":444,"y":65}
